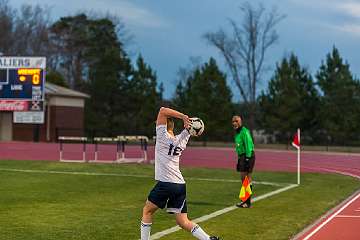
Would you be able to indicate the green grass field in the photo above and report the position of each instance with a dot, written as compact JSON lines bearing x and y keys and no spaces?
{"x":102,"y":201}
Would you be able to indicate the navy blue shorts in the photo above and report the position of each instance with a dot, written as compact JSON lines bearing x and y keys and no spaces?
{"x":169,"y":195}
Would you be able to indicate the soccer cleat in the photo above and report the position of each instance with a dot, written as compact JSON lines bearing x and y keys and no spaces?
{"x":214,"y":238}
{"x":243,"y":205}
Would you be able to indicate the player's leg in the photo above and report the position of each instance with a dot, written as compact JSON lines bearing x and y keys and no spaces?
{"x":146,"y":220}
{"x":177,"y":205}
{"x":156,"y":199}
{"x":183,"y":221}
{"x":179,"y":208}
{"x":148,"y":211}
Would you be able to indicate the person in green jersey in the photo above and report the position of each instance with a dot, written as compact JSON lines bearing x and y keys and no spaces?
{"x":244,"y":147}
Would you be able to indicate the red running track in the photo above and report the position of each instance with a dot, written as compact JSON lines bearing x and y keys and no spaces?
{"x":341,"y":224}
{"x":344,"y":225}
{"x":268,"y":160}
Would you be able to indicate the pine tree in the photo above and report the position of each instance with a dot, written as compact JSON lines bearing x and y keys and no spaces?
{"x":206,"y":95}
{"x":144,"y":99}
{"x":291,"y":101}
{"x":340,"y":105}
{"x":109,"y":69}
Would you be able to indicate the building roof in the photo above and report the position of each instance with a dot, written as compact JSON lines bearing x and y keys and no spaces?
{"x":56,"y":90}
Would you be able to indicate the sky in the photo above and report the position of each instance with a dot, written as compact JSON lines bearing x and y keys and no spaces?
{"x":168,"y":33}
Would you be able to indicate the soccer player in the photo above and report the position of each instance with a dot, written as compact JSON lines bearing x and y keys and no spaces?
{"x":170,"y":189}
{"x":244,"y":147}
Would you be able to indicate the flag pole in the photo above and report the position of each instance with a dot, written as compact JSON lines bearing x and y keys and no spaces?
{"x":298,"y":158}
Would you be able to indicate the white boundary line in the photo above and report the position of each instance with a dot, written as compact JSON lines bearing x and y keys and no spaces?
{"x":73,"y":173}
{"x":331,"y":217}
{"x":220,"y":212}
{"x":132,"y":175}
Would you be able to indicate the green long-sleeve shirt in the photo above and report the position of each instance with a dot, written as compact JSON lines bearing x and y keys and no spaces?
{"x":244,"y":142}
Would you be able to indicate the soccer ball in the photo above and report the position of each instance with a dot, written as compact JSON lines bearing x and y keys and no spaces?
{"x":196,"y":127}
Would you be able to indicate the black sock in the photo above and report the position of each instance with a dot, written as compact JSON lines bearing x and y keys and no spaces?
{"x":248,"y":201}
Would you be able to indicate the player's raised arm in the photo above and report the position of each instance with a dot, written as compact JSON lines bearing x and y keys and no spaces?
{"x":165,"y":113}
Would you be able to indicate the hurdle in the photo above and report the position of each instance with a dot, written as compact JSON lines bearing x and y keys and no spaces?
{"x":120,"y":142}
{"x":97,"y":141}
{"x":62,"y":140}
{"x":125,"y":139}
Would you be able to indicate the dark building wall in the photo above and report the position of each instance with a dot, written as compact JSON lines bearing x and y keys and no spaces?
{"x":64,"y":121}
{"x":28,"y":132}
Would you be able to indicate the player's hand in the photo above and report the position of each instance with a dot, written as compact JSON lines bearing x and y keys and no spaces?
{"x":186,"y":121}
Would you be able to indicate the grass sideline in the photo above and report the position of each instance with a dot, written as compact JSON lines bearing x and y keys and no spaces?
{"x":47,"y":206}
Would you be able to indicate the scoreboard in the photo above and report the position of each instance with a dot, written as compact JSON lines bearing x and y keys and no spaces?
{"x":22,"y":78}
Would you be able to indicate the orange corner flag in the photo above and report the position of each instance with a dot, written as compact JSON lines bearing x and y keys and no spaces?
{"x":296,"y":140}
{"x":245,"y":191}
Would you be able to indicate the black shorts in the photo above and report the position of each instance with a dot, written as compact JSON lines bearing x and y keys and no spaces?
{"x":171,"y":195}
{"x":245,"y":166}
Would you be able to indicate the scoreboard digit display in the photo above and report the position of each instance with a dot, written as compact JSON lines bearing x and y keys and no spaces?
{"x":22,"y":78}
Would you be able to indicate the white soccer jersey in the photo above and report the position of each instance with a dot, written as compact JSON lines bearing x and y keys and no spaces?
{"x":168,"y":150}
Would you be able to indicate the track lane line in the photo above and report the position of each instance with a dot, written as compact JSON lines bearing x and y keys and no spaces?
{"x":332,"y":216}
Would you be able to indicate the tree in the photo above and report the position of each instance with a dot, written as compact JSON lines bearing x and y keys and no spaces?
{"x":206,"y":95}
{"x":7,"y":15}
{"x":109,"y":70}
{"x":340,"y":108}
{"x":124,"y":99}
{"x":56,"y":78}
{"x":93,"y":60}
{"x":71,"y":38}
{"x":31,"y":31}
{"x":184,"y":74}
{"x":76,"y":38}
{"x":144,"y":99}
{"x":244,"y":51}
{"x":25,"y":31}
{"x":180,"y":97}
{"x":290,"y":102}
